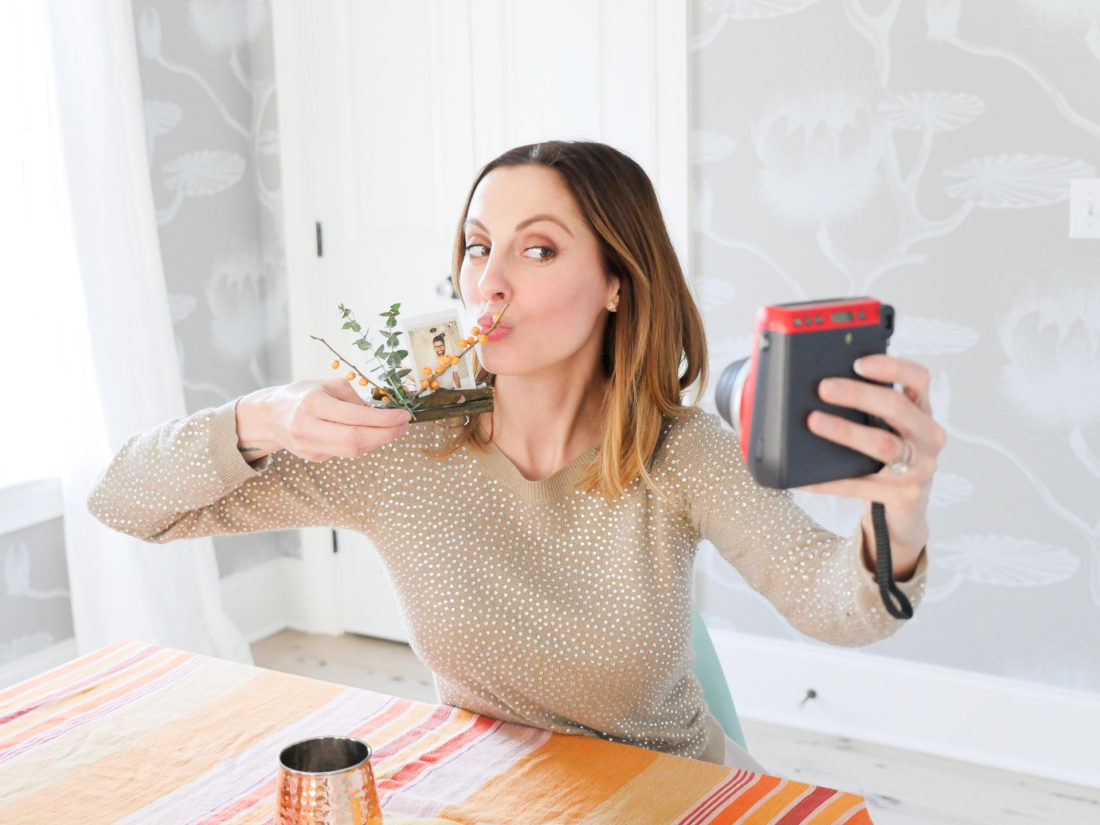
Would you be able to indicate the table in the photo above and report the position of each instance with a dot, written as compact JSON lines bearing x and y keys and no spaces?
{"x":135,"y":733}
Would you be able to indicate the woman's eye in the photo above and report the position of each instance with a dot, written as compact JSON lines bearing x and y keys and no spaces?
{"x":477,"y":250}
{"x":539,"y":253}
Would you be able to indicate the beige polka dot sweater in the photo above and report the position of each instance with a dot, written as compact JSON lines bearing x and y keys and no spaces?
{"x":531,"y":601}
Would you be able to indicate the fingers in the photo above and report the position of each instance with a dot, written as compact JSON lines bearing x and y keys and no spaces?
{"x":318,"y":440}
{"x":341,"y":404}
{"x":914,"y":378}
{"x":907,"y":412}
{"x":881,"y":445}
{"x":896,"y":408}
{"x":323,"y":420}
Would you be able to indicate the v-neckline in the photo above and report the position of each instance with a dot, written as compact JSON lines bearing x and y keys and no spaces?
{"x":544,"y":490}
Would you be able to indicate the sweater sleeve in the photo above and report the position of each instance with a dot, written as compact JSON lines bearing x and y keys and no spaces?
{"x":814,"y":578}
{"x":186,"y":479}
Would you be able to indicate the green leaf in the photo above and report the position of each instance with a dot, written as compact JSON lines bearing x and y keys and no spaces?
{"x":401,"y":355}
{"x":391,"y":322}
{"x":401,"y":374}
{"x":363,"y":343}
{"x":395,"y":308}
{"x":378,"y":352}
{"x":347,"y":324}
{"x":355,"y":326}
{"x":391,"y":340}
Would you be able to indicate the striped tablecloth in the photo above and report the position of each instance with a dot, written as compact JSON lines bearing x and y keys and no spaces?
{"x":140,"y":734}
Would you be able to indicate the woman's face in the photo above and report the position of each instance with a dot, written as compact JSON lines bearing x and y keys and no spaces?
{"x":528,"y":245}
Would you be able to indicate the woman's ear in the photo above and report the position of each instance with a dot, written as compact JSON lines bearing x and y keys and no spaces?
{"x":613,"y":283}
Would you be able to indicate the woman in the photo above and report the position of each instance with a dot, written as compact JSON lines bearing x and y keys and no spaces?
{"x":563,"y":599}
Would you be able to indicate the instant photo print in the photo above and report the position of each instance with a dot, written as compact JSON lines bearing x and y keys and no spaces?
{"x":432,"y":336}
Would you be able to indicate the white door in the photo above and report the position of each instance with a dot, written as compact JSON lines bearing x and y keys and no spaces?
{"x":391,"y":107}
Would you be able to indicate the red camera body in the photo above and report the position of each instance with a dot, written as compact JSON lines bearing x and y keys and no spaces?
{"x":795,"y":347}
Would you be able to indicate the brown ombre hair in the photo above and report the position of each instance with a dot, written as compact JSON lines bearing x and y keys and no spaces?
{"x":654,"y":347}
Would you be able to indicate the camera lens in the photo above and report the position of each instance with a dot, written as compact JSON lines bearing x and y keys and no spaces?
{"x":729,"y":389}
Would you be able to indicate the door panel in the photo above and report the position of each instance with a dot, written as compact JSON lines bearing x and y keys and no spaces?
{"x":406,"y":100}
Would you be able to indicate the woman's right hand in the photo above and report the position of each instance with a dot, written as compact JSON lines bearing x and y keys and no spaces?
{"x":314,"y":420}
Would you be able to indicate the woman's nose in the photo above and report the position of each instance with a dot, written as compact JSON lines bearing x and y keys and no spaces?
{"x":494,"y":283}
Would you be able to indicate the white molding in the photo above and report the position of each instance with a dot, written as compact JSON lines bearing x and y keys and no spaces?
{"x":27,"y":667}
{"x":266,"y":598}
{"x":292,"y":35}
{"x":1003,"y":723}
{"x":673,"y":107}
{"x":29,"y":503}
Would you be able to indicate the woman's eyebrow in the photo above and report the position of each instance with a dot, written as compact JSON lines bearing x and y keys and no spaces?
{"x":537,"y":218}
{"x":521,"y":224}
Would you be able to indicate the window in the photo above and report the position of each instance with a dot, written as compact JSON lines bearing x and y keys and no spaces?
{"x":36,"y":294}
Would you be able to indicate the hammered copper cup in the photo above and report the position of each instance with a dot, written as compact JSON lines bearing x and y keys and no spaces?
{"x":327,"y":780}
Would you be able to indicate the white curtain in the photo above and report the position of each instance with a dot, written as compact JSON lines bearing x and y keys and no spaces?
{"x":127,"y":376}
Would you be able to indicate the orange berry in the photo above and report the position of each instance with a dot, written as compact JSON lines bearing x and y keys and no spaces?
{"x":484,"y":339}
{"x":362,"y":382}
{"x":427,"y":370}
{"x":464,"y":343}
{"x":425,"y":383}
{"x":435,"y":385}
{"x":454,"y":359}
{"x":496,"y":317}
{"x":476,"y":330}
{"x":336,"y":365}
{"x":350,"y":375}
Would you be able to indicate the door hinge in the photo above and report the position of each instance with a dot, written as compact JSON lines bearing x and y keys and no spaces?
{"x":320,"y":239}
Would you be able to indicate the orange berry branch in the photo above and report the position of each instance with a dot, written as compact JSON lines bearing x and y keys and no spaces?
{"x":389,"y":358}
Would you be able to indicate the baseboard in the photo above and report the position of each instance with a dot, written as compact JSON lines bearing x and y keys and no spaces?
{"x":265,"y":599}
{"x":26,"y":667}
{"x":1001,"y":723}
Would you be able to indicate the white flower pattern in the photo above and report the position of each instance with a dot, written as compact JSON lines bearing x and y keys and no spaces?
{"x":1005,"y":561}
{"x":931,"y":111}
{"x":1017,"y":181}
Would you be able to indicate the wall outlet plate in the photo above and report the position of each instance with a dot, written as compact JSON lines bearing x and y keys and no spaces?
{"x":1084,"y":208}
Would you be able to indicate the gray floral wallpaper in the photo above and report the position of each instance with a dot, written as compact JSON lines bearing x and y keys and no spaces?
{"x":207,"y":75}
{"x":35,"y":611}
{"x":922,"y":152}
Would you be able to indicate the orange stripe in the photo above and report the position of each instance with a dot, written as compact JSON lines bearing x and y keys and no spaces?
{"x":782,"y":798}
{"x":667,"y":788}
{"x":88,"y":700}
{"x":745,"y":800}
{"x":861,"y":817}
{"x":24,"y":692}
{"x":586,"y":772}
{"x":168,"y":758}
{"x":836,"y":809}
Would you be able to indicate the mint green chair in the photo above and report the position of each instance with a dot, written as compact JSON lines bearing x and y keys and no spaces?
{"x":709,"y":673}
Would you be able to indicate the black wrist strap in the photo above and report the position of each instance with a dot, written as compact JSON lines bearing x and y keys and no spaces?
{"x":896,"y":604}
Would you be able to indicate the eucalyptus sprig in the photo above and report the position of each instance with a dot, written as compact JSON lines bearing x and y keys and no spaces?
{"x":386,"y":357}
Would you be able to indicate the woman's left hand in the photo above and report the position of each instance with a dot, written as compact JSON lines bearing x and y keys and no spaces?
{"x":910,"y":453}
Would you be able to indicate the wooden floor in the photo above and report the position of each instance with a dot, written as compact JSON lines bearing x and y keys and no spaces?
{"x":902,"y":788}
